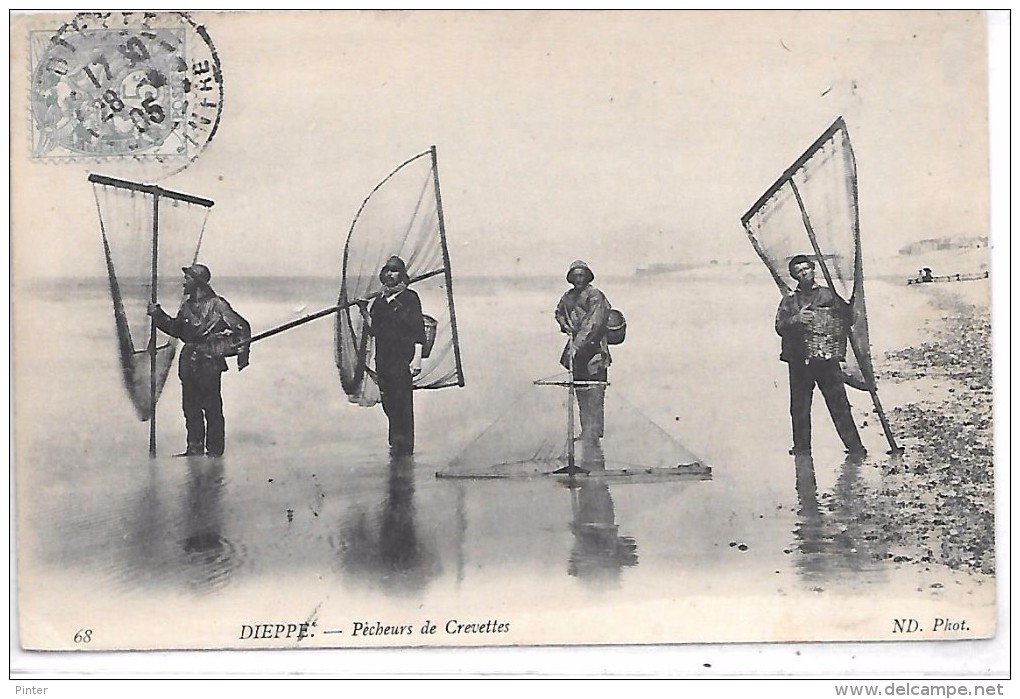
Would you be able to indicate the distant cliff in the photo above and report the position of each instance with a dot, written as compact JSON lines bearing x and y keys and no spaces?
{"x":666,"y":267}
{"x":948,"y":243}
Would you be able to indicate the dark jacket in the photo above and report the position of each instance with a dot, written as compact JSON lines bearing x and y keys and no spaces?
{"x":208,"y":326}
{"x":584,"y":315}
{"x":795,"y":335}
{"x":397,"y":325}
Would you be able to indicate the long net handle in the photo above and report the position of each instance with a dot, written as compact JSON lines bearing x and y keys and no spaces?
{"x":325,"y":312}
{"x":447,"y":268}
{"x":154,"y":297}
{"x":873,"y":391}
{"x":571,"y":397}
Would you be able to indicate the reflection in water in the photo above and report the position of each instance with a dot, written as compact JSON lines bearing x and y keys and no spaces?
{"x":599,"y":553}
{"x":210,"y":557}
{"x":387,"y":550}
{"x":461,"y":529}
{"x":145,"y":542}
{"x":202,"y":558}
{"x":832,"y":540}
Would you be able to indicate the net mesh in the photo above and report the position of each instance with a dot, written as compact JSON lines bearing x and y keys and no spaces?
{"x":399,"y":217}
{"x":126,"y":218}
{"x":812,"y":210}
{"x":538,"y":434}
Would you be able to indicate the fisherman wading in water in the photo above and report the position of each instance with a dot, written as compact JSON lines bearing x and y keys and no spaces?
{"x":395,"y":320}
{"x":813,"y":323}
{"x":583,"y":314}
{"x":210,"y":328}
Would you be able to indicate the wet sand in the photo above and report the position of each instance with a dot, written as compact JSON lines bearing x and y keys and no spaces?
{"x":947,"y":432}
{"x":307,"y":518}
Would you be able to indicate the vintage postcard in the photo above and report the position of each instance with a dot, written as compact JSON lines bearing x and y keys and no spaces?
{"x":400,"y":329}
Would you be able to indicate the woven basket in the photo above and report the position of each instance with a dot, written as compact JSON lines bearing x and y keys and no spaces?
{"x":431,"y":327}
{"x":826,"y":336}
{"x":616,"y":331}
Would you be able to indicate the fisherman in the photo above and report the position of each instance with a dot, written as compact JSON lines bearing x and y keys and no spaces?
{"x":210,"y":329}
{"x":395,"y":320}
{"x":583,"y":314}
{"x":813,"y":323}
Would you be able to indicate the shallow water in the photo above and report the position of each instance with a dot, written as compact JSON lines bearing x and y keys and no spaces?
{"x":306,"y":514}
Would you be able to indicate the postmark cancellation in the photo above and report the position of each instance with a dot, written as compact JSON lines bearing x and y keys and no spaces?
{"x":113,"y":85}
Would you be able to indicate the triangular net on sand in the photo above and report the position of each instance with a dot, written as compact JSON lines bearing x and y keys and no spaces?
{"x":532,"y":438}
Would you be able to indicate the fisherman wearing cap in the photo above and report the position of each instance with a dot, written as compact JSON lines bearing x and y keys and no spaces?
{"x":395,"y":320}
{"x":583,"y":314}
{"x":211,"y":330}
{"x":813,"y":323}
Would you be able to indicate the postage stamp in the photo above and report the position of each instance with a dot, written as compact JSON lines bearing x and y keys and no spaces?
{"x":124,"y":85}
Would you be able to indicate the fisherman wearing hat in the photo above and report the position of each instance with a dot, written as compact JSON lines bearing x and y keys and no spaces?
{"x":813,"y":323}
{"x":211,"y":330}
{"x":583,"y":314}
{"x":395,"y":321}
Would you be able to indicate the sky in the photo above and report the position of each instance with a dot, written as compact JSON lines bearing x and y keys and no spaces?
{"x":621,"y":138}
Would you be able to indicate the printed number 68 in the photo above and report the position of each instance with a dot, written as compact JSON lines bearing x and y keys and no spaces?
{"x":83,"y":636}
